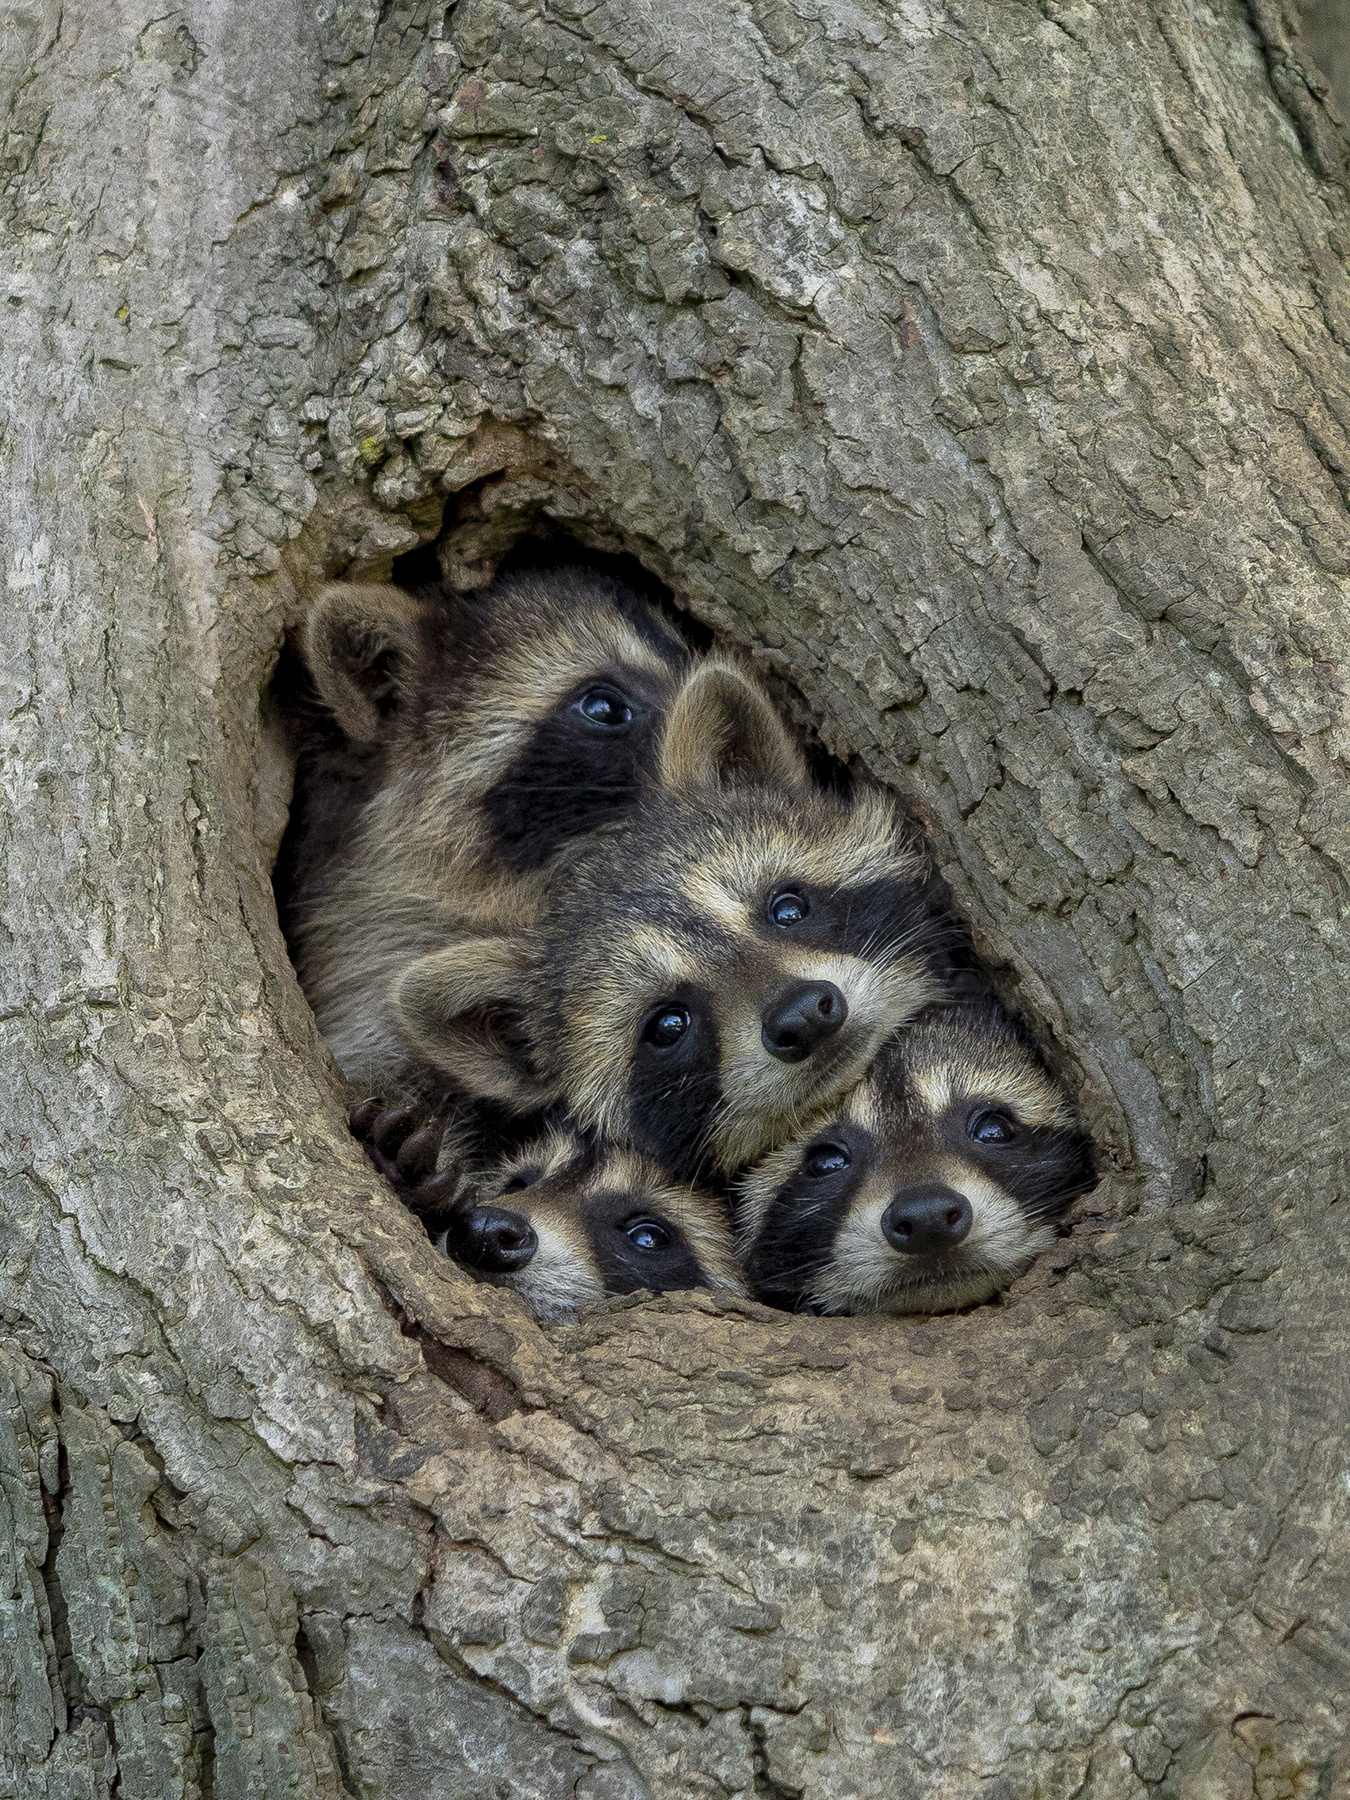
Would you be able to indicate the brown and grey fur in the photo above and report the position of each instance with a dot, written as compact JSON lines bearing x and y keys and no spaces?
{"x":451,"y":772}
{"x":813,"y":1238}
{"x":583,"y":1204}
{"x":670,"y":906}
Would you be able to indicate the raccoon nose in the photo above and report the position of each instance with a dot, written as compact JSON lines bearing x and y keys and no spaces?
{"x":491,"y":1239}
{"x":801,"y":1018}
{"x":926,"y":1220}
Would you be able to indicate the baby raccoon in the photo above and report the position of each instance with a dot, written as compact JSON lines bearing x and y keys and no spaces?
{"x":477,"y":734}
{"x":713,"y":970}
{"x":564,"y":1222}
{"x":937,"y":1181}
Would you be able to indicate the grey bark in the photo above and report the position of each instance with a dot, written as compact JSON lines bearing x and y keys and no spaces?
{"x":981,"y":367}
{"x":1325,"y":27}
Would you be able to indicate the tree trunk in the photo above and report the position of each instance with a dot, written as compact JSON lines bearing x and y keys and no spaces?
{"x":983,"y":366}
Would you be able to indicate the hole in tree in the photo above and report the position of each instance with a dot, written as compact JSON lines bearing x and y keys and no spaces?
{"x":338,"y":773}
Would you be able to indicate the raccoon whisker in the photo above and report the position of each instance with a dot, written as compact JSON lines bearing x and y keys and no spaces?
{"x":800,"y":1277}
{"x":818,"y":1259}
{"x":718,"y":1115}
{"x":902,"y":941}
{"x":907,"y":935}
{"x":798,"y":1274}
{"x":941,"y":933}
{"x":808,"y":1261}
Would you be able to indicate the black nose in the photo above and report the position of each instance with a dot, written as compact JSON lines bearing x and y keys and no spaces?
{"x":801,"y":1018}
{"x":926,"y":1220}
{"x":491,"y":1239}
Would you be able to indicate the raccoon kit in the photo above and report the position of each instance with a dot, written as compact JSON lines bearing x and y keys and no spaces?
{"x":939,"y":1178}
{"x":565,"y":1222}
{"x":455,"y":742}
{"x":715,"y":968}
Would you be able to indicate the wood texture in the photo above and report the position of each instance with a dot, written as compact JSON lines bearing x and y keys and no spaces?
{"x":983,"y":367}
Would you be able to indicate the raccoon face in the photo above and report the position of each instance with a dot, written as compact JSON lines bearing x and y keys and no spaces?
{"x":938,"y":1180}
{"x":564,"y":1223}
{"x":732,"y":958}
{"x":735,"y":980}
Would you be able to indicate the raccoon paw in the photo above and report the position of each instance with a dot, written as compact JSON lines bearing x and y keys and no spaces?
{"x":402,"y":1145}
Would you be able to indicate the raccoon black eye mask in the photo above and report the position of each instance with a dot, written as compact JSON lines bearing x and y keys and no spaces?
{"x":580,"y":766}
{"x":938,"y":1179}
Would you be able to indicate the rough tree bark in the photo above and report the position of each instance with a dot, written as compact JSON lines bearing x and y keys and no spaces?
{"x":1325,"y":25}
{"x":982,"y":365}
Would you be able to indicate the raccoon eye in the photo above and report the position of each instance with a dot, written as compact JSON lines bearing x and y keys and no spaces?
{"x":992,"y":1128}
{"x":516,"y":1184}
{"x":666,"y":1026}
{"x":788,"y":909}
{"x":826,"y":1159}
{"x":605,"y":709}
{"x":646,"y":1234}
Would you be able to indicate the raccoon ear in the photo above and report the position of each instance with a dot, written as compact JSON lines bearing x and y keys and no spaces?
{"x":461,"y":1008}
{"x":361,"y":646}
{"x":722,"y":730}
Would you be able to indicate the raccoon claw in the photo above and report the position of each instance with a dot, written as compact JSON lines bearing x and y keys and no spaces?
{"x":362,"y":1117}
{"x":391,"y":1130}
{"x":434,"y":1194}
{"x":416,"y":1159}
